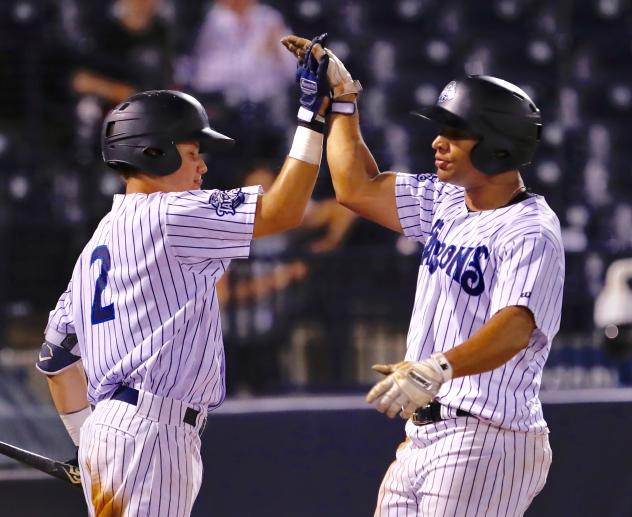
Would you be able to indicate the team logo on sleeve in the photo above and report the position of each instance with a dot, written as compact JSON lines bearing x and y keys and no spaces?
{"x":226,"y":201}
{"x":464,"y":264}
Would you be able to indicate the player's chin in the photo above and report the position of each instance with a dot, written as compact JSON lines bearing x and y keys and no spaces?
{"x":445,"y":175}
{"x":449,"y":175}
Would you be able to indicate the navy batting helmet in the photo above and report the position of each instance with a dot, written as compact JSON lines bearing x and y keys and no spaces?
{"x":501,"y":115}
{"x":141,"y":133}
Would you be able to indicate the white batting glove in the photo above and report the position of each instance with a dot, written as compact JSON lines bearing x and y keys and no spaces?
{"x":409,"y":385}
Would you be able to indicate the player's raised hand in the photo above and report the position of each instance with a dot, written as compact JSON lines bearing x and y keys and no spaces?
{"x":311,"y":76}
{"x":339,"y":78}
{"x":296,"y":45}
{"x":411,"y":385}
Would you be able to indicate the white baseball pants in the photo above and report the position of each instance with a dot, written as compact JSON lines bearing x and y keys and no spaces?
{"x":465,"y":467}
{"x":140,"y":460}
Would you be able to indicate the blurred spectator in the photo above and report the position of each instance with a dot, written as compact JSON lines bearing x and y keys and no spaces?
{"x":238,"y":54}
{"x":241,"y":73}
{"x":129,"y":51}
{"x":333,"y":219}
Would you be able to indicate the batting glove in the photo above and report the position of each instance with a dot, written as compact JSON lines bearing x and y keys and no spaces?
{"x":409,"y":385}
{"x":339,"y":78}
{"x":311,"y":76}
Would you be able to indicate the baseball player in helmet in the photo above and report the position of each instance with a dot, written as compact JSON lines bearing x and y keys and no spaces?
{"x":488,"y":299}
{"x":140,"y":314}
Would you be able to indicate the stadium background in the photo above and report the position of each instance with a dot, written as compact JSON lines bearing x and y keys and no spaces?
{"x":312,"y":310}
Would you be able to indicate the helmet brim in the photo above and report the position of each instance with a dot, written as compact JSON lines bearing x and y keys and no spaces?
{"x":209,"y":139}
{"x":441,"y":117}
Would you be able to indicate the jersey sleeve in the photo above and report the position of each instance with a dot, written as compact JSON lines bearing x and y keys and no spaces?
{"x":415,"y":198}
{"x":60,"y":320}
{"x":207,"y":225}
{"x":531,"y":274}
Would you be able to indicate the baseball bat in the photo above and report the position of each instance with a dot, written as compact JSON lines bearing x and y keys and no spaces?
{"x":65,"y":471}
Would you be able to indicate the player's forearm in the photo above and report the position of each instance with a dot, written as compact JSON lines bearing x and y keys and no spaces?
{"x":68,"y":390}
{"x":283,"y":206}
{"x":502,"y":337}
{"x":351,"y":164}
{"x":357,"y":181}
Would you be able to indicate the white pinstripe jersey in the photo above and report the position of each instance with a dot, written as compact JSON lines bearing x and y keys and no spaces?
{"x":474,"y":264}
{"x":142,"y":297}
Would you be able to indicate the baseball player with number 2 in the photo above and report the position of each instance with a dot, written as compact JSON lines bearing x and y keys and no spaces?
{"x":488,"y":298}
{"x":141,"y":310}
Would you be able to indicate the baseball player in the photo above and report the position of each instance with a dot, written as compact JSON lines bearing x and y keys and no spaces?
{"x":487,"y":305}
{"x":141,"y":309}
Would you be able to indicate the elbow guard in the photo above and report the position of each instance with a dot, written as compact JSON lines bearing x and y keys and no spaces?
{"x":54,"y":359}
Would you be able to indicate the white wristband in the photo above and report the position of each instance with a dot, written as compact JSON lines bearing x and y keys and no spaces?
{"x":74,"y":421}
{"x":307,"y":146}
{"x":346,"y":108}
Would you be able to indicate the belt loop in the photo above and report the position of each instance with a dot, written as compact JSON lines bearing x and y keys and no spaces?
{"x":190,"y":416}
{"x":154,"y":407}
{"x":435,"y":411}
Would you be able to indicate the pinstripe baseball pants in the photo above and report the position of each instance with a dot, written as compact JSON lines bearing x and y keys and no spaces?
{"x":465,"y":467}
{"x":140,"y":460}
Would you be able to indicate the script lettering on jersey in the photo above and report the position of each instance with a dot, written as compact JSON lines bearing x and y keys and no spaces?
{"x":226,"y":202}
{"x":461,"y":263}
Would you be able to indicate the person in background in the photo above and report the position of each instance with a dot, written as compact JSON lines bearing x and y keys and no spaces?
{"x":236,"y":38}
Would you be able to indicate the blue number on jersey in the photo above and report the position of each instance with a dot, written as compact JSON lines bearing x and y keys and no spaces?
{"x":100,"y":313}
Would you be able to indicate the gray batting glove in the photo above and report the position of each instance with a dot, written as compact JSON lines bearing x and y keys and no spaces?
{"x":339,"y":78}
{"x":410,"y":385}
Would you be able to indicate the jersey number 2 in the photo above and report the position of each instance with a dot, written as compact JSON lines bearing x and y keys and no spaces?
{"x":101,"y":314}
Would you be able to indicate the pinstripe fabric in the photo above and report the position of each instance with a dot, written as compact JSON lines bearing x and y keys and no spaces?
{"x":143,"y":304}
{"x":167,"y":251}
{"x":140,"y":461}
{"x":474,"y":264}
{"x":465,"y":467}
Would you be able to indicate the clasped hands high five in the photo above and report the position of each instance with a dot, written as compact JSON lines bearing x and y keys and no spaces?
{"x":339,"y":79}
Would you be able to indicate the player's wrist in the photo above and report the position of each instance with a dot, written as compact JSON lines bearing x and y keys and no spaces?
{"x":307,"y":145}
{"x":316,"y":124}
{"x":74,"y":421}
{"x":347,"y":97}
{"x":441,"y":364}
{"x":343,"y":108}
{"x":324,"y":107}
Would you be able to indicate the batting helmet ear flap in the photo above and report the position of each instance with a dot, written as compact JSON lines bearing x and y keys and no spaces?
{"x":146,"y":154}
{"x":493,"y":156}
{"x":157,"y":157}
